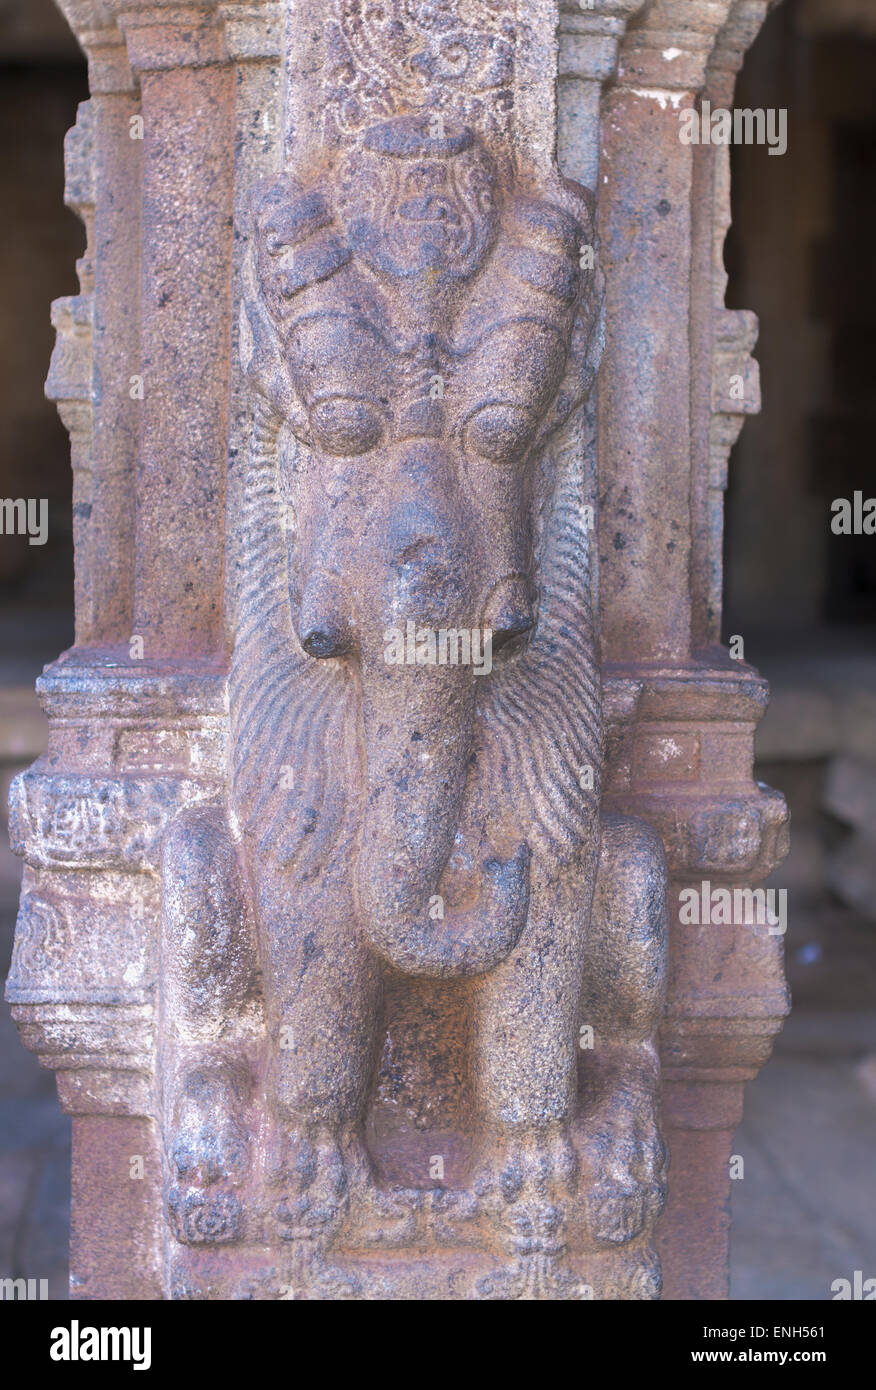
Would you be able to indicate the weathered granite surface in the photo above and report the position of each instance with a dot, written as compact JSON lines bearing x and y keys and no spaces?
{"x":361,"y":968}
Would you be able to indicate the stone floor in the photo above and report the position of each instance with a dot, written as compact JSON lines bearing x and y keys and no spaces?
{"x":805,"y":1212}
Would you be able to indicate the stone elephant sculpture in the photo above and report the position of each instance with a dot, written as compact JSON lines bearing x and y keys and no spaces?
{"x":421,"y":340}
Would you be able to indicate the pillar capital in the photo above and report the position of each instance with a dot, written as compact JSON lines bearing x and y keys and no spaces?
{"x":668,"y":44}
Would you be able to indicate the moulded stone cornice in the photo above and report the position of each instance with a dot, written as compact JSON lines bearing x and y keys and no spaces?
{"x":118,"y":35}
{"x":160,"y":37}
{"x":93,"y":23}
{"x":734,"y":40}
{"x":89,"y":15}
{"x":590,"y":35}
{"x":252,"y":29}
{"x":667,"y":46}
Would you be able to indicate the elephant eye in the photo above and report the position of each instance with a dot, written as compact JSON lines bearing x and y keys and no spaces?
{"x":346,"y":425}
{"x":500,"y":431}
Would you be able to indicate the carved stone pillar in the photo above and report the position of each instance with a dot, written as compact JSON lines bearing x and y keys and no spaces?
{"x":350,"y":906}
{"x":676,"y":382}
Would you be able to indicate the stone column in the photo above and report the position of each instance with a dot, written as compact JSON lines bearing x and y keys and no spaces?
{"x":676,"y":383}
{"x":352,"y":956}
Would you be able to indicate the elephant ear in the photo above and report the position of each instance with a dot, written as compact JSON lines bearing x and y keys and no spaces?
{"x":293,"y":721}
{"x":541,"y":729}
{"x":541,"y":726}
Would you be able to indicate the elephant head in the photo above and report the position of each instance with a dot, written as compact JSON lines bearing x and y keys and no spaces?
{"x":415,"y":334}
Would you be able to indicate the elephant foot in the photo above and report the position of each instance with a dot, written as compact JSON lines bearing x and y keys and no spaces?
{"x":318,"y":1173}
{"x":208,"y":1154}
{"x":532,"y":1278}
{"x":526,"y":1185}
{"x":639,"y":1277}
{"x":624,"y":1149}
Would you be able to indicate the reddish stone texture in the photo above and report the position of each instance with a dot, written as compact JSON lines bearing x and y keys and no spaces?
{"x":114,"y":1249}
{"x":644,"y":421}
{"x":374,"y":968}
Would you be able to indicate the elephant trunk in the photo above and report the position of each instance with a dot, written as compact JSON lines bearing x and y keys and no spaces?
{"x":418,"y":724}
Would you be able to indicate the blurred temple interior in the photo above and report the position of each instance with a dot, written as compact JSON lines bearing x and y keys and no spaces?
{"x":802,"y":598}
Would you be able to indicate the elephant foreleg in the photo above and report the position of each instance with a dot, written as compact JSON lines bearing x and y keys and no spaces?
{"x":208,"y":986}
{"x":622,"y":1002}
{"x":526,"y":1018}
{"x":322,"y":998}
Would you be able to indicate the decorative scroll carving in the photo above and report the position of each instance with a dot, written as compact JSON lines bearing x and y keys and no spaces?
{"x":411,"y":55}
{"x":81,"y":822}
